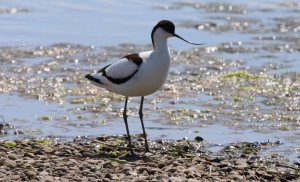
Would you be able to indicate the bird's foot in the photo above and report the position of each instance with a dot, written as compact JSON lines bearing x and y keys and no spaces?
{"x":131,"y":156}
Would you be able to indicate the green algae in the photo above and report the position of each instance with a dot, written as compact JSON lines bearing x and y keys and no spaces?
{"x":45,"y":118}
{"x":27,"y":131}
{"x":248,"y":150}
{"x":205,"y":111}
{"x":78,"y":101}
{"x":10,"y":143}
{"x":240,"y":74}
{"x":44,"y":141}
{"x":290,"y":118}
{"x":238,"y":99}
{"x":284,"y":128}
{"x":58,"y":118}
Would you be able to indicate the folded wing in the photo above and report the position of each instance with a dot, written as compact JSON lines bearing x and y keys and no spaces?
{"x":119,"y":72}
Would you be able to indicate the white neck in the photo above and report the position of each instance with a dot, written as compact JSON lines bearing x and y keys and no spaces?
{"x":161,"y":45}
{"x":160,"y":42}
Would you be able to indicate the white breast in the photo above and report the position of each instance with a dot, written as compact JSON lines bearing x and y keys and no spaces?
{"x":150,"y":77}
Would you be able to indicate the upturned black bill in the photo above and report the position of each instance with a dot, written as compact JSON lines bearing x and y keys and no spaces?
{"x":175,"y":35}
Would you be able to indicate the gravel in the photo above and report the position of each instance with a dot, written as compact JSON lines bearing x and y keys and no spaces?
{"x":103,"y":159}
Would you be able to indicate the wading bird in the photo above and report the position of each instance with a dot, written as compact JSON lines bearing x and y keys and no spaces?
{"x":139,"y":74}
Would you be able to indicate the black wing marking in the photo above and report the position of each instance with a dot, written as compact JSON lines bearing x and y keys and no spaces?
{"x":119,"y":80}
{"x":103,"y":69}
{"x":91,"y":78}
{"x":135,"y":58}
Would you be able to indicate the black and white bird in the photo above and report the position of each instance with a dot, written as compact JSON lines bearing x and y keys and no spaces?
{"x":139,"y":74}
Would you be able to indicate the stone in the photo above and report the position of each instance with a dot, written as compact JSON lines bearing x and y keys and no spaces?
{"x":142,"y":178}
{"x":241,"y":164}
{"x":162,"y":177}
{"x":30,"y":155}
{"x":161,"y":164}
{"x":193,"y":180}
{"x":77,"y":154}
{"x":223,"y":164}
{"x":92,"y":176}
{"x":93,"y":169}
{"x":132,"y":173}
{"x":62,"y":169}
{"x":73,"y":161}
{"x":111,"y":176}
{"x":169,"y":168}
{"x":237,"y":177}
{"x":180,"y":168}
{"x":43,"y":173}
{"x":12,"y":157}
{"x":49,"y":150}
{"x":48,"y":179}
{"x":106,"y":164}
{"x":30,"y":174}
{"x":199,"y":139}
{"x":61,"y":153}
{"x":126,"y":169}
{"x":142,"y":169}
{"x":92,"y":161}
{"x":10,"y":163}
{"x":92,"y":179}
{"x":177,"y":178}
{"x":145,"y":173}
{"x":63,"y":179}
{"x":14,"y":177}
{"x":249,"y":172}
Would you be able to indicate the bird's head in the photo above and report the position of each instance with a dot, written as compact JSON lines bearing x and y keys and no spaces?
{"x":166,"y":29}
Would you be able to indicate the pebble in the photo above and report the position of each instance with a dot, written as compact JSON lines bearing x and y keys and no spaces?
{"x":264,"y":175}
{"x":92,"y":161}
{"x":12,"y":156}
{"x":180,"y":168}
{"x":48,"y":150}
{"x":62,"y":168}
{"x":107,"y":164}
{"x":48,"y":179}
{"x":179,"y":178}
{"x":111,"y":176}
{"x":223,"y":164}
{"x":241,"y":164}
{"x":14,"y":177}
{"x":237,"y":177}
{"x":199,"y":139}
{"x":169,"y":168}
{"x":145,"y":173}
{"x":142,"y":178}
{"x":233,"y":173}
{"x":10,"y":163}
{"x":30,"y":155}
{"x":193,"y":180}
{"x":126,"y":169}
{"x":30,"y":174}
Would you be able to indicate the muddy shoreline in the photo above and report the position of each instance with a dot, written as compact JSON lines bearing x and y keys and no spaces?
{"x":105,"y":158}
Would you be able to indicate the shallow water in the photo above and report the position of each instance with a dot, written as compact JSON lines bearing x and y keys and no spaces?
{"x":262,"y":37}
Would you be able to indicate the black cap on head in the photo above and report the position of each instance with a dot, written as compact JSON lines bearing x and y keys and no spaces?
{"x":167,"y":25}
